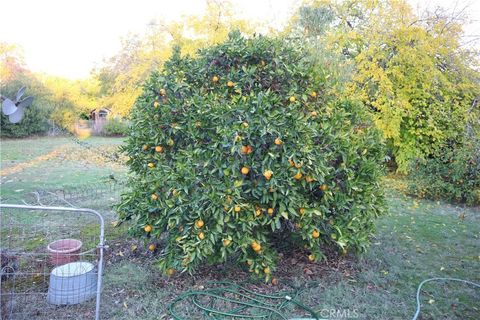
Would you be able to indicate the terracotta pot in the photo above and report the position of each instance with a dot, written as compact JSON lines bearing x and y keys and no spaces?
{"x":64,"y":251}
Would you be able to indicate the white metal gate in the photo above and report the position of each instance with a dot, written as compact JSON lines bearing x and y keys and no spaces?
{"x":51,"y":262}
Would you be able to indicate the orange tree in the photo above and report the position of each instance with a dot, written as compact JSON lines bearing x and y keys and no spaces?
{"x":239,"y":148}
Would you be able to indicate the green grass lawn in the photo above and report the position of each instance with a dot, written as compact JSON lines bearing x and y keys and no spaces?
{"x":31,"y":164}
{"x":417,"y":239}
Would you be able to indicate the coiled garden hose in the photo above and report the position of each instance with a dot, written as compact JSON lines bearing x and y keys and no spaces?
{"x":243,"y":299}
{"x":266,"y":310}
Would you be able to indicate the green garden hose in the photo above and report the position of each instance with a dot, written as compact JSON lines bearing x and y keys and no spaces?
{"x":244,"y":299}
{"x":247,"y":303}
{"x":417,"y":313}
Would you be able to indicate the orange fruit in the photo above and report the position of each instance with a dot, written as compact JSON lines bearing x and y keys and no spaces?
{"x":292,"y":99}
{"x":159,"y":149}
{"x":258,"y":213}
{"x":302,"y":211}
{"x":156,"y":104}
{"x":170,"y":272}
{"x":313,"y":94}
{"x":268,"y":174}
{"x":215,"y":79}
{"x":256,"y":246}
{"x":148,"y":228}
{"x":145,"y":147}
{"x":245,"y":170}
{"x":298,"y":176}
{"x":292,"y":164}
{"x":278,"y":141}
{"x":246,"y":149}
{"x":315,"y":234}
{"x":230,"y":84}
{"x":266,"y":270}
{"x":311,"y":257}
{"x":323,"y":187}
{"x":313,"y":113}
{"x":152,"y":247}
{"x":270,"y":211}
{"x":226,"y":242}
{"x":201,"y":236}
{"x":237,"y":209}
{"x":151,"y":165}
{"x":245,"y":124}
{"x":163,"y":92}
{"x":274,"y":281}
{"x":154,"y":197}
{"x":309,"y":179}
{"x":199,"y":223}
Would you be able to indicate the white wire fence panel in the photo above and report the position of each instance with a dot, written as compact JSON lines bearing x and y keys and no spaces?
{"x":51,"y":262}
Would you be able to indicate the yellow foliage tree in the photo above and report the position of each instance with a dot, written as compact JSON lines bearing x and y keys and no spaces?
{"x":122,"y":76}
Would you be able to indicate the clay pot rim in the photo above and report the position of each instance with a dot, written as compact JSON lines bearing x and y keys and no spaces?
{"x":76,"y":248}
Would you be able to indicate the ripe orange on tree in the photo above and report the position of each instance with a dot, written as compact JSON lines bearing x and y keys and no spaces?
{"x":298,"y":176}
{"x":315,"y":234}
{"x":152,"y":247}
{"x":215,"y":79}
{"x":268,"y":174}
{"x":159,"y":149}
{"x":278,"y":141}
{"x":199,"y":223}
{"x":245,"y":170}
{"x":256,"y":246}
{"x":148,"y":228}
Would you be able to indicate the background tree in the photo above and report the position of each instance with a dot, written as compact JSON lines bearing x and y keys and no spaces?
{"x":122,"y":76}
{"x":412,"y":72}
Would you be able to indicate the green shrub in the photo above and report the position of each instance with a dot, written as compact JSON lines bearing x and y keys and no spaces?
{"x":236,"y":151}
{"x":115,"y":127}
{"x":452,"y":175}
{"x":34,"y":122}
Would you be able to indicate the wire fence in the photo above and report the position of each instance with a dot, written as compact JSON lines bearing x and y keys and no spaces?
{"x":51,"y":260}
{"x":50,"y":257}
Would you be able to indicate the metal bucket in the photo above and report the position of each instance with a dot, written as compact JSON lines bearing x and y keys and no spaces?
{"x":72,"y":283}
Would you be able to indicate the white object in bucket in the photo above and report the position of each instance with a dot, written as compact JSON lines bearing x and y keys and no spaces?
{"x":72,"y":283}
{"x":73,"y":269}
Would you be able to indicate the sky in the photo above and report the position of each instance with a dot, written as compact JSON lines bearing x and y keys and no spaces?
{"x":70,"y":38}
